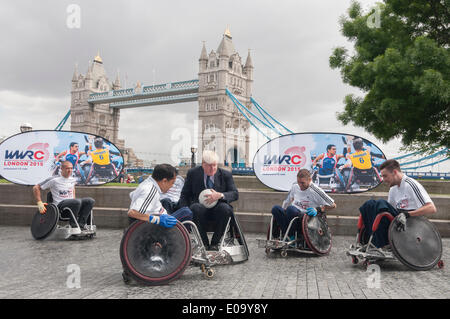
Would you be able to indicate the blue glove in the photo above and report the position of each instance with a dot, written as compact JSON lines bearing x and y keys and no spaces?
{"x":311,"y":211}
{"x":163,"y":220}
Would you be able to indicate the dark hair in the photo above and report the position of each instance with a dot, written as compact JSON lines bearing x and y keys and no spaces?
{"x":330,"y":146}
{"x":72,"y":144}
{"x":303,"y":173}
{"x":162,"y":171}
{"x":390,"y":165}
{"x":358,"y":144}
{"x":98,"y":142}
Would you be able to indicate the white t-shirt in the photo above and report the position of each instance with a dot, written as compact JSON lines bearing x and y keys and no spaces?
{"x":313,"y":196}
{"x":61,"y":188}
{"x":174,"y":192}
{"x":410,"y":195}
{"x":146,"y":198}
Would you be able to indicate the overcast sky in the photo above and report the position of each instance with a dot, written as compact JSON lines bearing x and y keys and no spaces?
{"x":160,"y":42}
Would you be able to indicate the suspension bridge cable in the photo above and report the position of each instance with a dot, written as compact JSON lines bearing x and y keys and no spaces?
{"x":246,"y":117}
{"x":63,"y":121}
{"x":262,"y":114}
{"x":407,"y":155}
{"x":432,"y":164}
{"x":248,"y":111}
{"x":259,"y":106}
{"x":426,"y":157}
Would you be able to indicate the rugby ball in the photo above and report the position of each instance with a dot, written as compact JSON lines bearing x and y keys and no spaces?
{"x":202,"y":198}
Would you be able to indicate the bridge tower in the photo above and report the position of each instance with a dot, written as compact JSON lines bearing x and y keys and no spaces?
{"x":221,"y":127}
{"x":98,"y":119}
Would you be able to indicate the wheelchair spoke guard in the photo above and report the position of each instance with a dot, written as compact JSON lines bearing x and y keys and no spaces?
{"x":317,"y":234}
{"x":43,"y":225}
{"x":419,"y":247}
{"x":154,"y":255}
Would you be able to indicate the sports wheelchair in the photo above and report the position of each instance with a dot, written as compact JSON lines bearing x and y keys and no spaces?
{"x":419,"y":247}
{"x":315,"y":232}
{"x":98,"y":174}
{"x":362,"y":179}
{"x":330,"y":182}
{"x":154,"y":255}
{"x":51,"y":223}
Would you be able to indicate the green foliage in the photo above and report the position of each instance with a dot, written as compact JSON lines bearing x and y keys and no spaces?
{"x":403,"y":67}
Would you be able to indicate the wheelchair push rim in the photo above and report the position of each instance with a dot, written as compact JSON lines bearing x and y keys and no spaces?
{"x":317,"y":234}
{"x":154,"y":255}
{"x":419,"y":247}
{"x":43,"y":225}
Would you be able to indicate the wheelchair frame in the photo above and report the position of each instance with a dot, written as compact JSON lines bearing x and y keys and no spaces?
{"x":285,"y":244}
{"x":369,"y":253}
{"x":70,"y":232}
{"x":228,"y":253}
{"x":352,"y":178}
{"x":334,"y":183}
{"x":67,"y":231}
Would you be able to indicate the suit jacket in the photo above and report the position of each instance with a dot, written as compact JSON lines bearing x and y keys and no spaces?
{"x":195,"y":184}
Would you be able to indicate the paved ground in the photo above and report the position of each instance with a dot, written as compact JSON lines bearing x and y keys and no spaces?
{"x":42,"y":269}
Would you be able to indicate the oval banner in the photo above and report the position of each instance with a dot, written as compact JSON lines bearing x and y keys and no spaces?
{"x":338,"y":163}
{"x":31,"y":157}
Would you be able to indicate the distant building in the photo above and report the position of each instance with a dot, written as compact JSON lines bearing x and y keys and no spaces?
{"x":224,"y":129}
{"x":99,"y":119}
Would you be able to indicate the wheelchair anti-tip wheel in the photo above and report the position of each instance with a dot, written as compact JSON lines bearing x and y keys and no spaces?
{"x":208,"y":271}
{"x":155,"y":255}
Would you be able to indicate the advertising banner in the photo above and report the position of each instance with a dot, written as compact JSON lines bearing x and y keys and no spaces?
{"x":31,"y":157}
{"x":338,"y":163}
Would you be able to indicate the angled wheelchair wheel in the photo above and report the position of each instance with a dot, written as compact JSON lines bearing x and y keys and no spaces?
{"x":317,"y":234}
{"x":419,"y":247}
{"x":43,"y":225}
{"x":155,"y":255}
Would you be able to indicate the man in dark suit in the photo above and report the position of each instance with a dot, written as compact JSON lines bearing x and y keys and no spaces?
{"x":220,"y":181}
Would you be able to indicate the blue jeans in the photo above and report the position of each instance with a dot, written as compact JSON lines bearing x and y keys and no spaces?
{"x":183,"y":214}
{"x":369,"y":211}
{"x":169,"y":205}
{"x":283,"y":218}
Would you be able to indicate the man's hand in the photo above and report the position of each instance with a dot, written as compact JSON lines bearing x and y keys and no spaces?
{"x":164,"y":220}
{"x":211,"y":198}
{"x":311,"y":211}
{"x":401,"y":221}
{"x":41,"y":206}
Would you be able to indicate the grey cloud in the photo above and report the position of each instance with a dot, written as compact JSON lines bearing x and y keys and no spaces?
{"x":160,"y":41}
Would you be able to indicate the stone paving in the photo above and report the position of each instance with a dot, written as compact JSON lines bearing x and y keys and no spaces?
{"x":44,"y":269}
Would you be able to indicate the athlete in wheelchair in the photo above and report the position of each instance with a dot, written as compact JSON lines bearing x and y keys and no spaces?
{"x":360,"y":171}
{"x":300,"y":224}
{"x":325,"y":170}
{"x":72,"y":155}
{"x":397,"y":228}
{"x":101,"y":166}
{"x":62,"y":206}
{"x":157,"y":247}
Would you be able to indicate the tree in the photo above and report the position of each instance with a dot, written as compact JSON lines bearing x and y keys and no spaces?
{"x":402,"y":65}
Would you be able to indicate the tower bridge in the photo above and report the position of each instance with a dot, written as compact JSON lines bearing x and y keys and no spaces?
{"x":96,"y":102}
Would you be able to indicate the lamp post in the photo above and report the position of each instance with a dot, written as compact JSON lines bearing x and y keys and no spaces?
{"x":193,"y":151}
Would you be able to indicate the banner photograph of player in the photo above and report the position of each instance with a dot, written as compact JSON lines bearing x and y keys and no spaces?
{"x":339,"y":163}
{"x":31,"y":157}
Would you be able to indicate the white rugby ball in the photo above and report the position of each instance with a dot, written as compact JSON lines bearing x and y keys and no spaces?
{"x":202,"y":198}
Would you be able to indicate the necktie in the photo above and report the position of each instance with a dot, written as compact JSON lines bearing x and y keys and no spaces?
{"x":209,"y":182}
